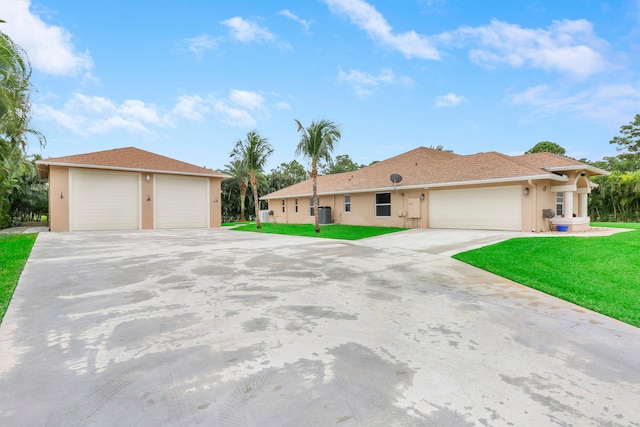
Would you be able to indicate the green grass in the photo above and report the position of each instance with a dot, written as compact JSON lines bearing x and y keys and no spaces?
{"x":598,"y":273}
{"x":633,"y":225}
{"x":328,"y":231}
{"x":14,"y":252}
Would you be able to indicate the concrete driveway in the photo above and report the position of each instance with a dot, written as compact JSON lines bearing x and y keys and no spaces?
{"x":225,"y":328}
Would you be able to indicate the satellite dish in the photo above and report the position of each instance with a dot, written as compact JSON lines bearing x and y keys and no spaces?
{"x":395,"y":178}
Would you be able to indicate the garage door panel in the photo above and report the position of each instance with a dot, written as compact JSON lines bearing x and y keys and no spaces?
{"x":104,"y":201}
{"x":181,"y":202}
{"x":492,"y":208}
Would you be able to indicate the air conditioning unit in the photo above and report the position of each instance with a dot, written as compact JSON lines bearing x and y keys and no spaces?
{"x":264,"y":216}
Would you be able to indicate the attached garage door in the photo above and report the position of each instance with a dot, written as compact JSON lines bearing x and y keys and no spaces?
{"x":181,"y":202}
{"x":103,"y":200}
{"x":495,"y":208}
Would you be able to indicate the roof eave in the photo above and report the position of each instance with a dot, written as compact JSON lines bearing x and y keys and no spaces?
{"x":120,"y":168}
{"x":550,"y":176}
{"x":589,"y":168}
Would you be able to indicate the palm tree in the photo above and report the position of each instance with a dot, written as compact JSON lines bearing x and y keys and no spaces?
{"x":253,"y":151}
{"x":239,"y":172}
{"x":15,"y":110}
{"x":316,"y":143}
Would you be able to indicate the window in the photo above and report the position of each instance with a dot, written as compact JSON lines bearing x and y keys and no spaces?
{"x":282,"y":206}
{"x":295,"y":205}
{"x":311,"y":213}
{"x":383,"y":204}
{"x":347,"y":203}
{"x":560,"y":204}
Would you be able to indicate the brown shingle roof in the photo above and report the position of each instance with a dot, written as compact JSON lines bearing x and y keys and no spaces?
{"x":425,"y":167}
{"x":130,"y":158}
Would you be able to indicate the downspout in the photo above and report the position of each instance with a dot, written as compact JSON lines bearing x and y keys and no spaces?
{"x":533,"y":205}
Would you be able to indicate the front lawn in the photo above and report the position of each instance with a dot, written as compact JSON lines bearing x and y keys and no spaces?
{"x":598,"y":273}
{"x":14,"y":252}
{"x":328,"y":231}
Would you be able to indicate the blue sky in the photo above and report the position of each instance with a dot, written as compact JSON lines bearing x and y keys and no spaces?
{"x":186,"y":79}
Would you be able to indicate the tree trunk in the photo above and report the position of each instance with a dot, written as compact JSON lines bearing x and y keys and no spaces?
{"x":314,"y":175}
{"x":256,"y":202}
{"x":243,"y":195}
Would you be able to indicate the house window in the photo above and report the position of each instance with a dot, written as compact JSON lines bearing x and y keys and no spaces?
{"x":282,"y":206}
{"x":311,"y":213}
{"x":347,"y":203}
{"x":560,"y":204}
{"x":383,"y":204}
{"x":295,"y":205}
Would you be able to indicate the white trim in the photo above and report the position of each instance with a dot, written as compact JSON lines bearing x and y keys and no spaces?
{"x":119,"y":168}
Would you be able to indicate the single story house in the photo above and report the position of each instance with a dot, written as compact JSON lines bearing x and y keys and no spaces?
{"x":427,"y":188}
{"x":130,"y":189}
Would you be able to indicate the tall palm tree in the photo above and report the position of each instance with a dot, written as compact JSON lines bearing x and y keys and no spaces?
{"x":253,"y":151}
{"x":316,"y":143}
{"x":240,"y":173}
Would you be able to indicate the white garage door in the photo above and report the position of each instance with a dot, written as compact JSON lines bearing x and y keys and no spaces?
{"x":495,"y":208}
{"x":101,"y":200}
{"x":181,"y":202}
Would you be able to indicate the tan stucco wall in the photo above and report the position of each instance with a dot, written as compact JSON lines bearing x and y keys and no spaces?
{"x":146,"y":202}
{"x":363,"y":206}
{"x":59,"y":207}
{"x":59,"y":198}
{"x":362,"y":210}
{"x":215,"y":200}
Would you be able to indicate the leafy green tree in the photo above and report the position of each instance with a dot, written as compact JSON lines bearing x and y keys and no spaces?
{"x":30,"y":197}
{"x":629,"y":141}
{"x":547,"y":147}
{"x":316,"y":144}
{"x":253,"y":151}
{"x":630,"y":137}
{"x":285,"y":175}
{"x":440,"y":148}
{"x":342,"y":163}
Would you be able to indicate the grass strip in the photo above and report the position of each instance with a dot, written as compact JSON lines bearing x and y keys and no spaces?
{"x":598,"y":273}
{"x":14,"y":252}
{"x":328,"y":231}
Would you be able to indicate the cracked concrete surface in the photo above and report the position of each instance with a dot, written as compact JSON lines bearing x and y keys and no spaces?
{"x":216,"y":327}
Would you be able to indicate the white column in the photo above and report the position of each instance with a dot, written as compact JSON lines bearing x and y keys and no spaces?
{"x":568,"y":204}
{"x":584,"y":205}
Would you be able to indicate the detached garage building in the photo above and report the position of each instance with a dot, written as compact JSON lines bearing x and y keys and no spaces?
{"x":427,"y":188}
{"x":130,"y":189}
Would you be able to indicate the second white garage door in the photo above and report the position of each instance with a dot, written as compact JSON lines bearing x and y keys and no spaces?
{"x":493,"y":208}
{"x":181,"y":202}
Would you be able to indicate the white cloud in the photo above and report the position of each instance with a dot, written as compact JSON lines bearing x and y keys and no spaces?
{"x":450,"y":100}
{"x":296,"y":18}
{"x":605,"y":103}
{"x":568,"y":46}
{"x":247,"y":31}
{"x":192,"y":107}
{"x":364,"y":83}
{"x":233,"y":116}
{"x":201,"y":44}
{"x":365,"y":16}
{"x":49,"y":47}
{"x":247,"y":99}
{"x":283,"y":106}
{"x":87,"y":115}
